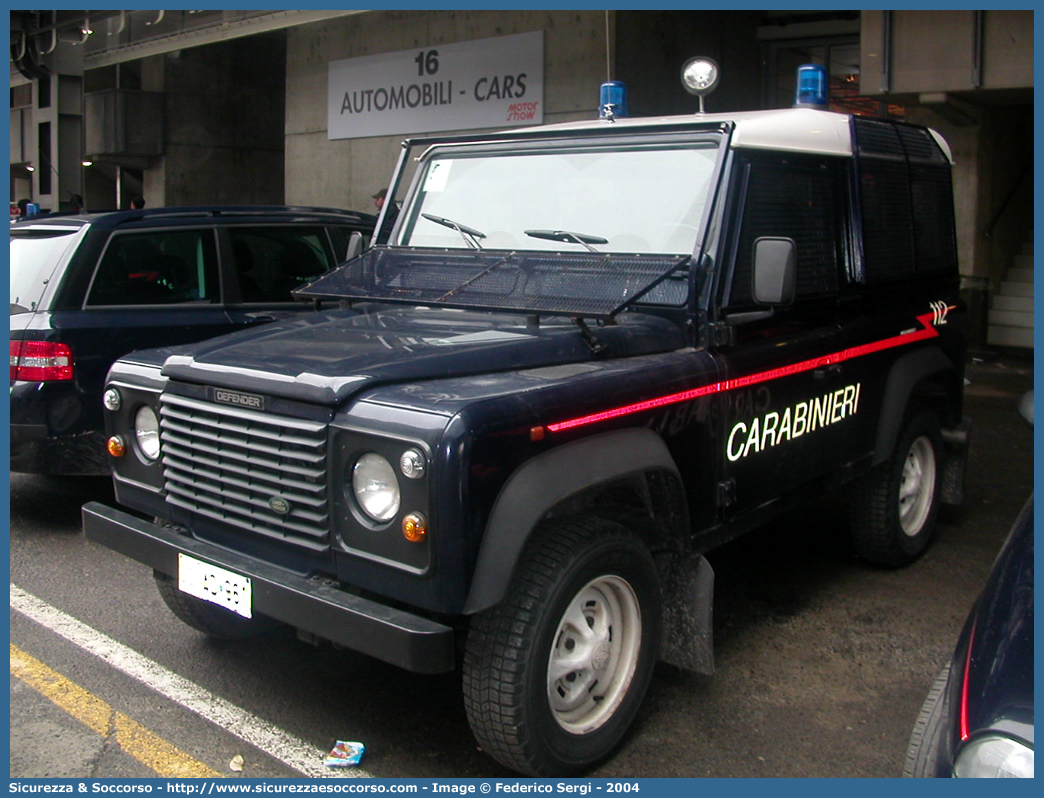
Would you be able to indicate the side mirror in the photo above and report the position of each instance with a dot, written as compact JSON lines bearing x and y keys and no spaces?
{"x":355,"y":245}
{"x":774,"y":271}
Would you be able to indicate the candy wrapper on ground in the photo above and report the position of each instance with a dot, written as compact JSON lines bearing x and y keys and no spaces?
{"x":345,"y":754}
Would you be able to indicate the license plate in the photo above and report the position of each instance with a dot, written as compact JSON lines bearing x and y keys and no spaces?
{"x":214,"y":584}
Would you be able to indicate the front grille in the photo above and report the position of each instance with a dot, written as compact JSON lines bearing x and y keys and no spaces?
{"x":239,"y":466}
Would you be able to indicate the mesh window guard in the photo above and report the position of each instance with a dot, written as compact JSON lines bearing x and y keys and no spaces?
{"x":570,"y":284}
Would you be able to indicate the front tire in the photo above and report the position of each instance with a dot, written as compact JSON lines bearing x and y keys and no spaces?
{"x":922,"y":754}
{"x":555,"y":674}
{"x":895,"y":505}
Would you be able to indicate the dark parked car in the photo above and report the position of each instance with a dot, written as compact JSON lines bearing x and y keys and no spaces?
{"x":88,"y":289}
{"x":978,"y":718}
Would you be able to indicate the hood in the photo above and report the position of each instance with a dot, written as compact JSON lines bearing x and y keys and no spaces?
{"x":323,"y":358}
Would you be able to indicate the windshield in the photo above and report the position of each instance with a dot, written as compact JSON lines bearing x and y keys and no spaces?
{"x":35,"y":254}
{"x":641,"y":199}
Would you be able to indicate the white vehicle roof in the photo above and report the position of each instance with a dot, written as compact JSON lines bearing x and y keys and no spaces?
{"x":790,"y":129}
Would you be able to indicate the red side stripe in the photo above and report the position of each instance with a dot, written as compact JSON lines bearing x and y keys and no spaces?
{"x":964,"y":723}
{"x":903,"y":339}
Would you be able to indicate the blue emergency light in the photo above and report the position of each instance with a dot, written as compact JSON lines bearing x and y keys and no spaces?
{"x":612,"y":100}
{"x":812,"y":86}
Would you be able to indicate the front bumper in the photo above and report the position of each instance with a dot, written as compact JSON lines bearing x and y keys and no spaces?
{"x":313,"y":605}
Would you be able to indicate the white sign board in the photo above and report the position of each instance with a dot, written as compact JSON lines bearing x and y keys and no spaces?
{"x":484,"y":83}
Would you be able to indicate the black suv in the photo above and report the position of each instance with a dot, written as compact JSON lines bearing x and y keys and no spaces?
{"x":589,"y":354}
{"x":87,"y":289}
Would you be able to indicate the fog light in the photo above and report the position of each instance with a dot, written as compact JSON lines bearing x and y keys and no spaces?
{"x":116,"y":446}
{"x":415,"y":527}
{"x":412,"y":464}
{"x":112,"y":399}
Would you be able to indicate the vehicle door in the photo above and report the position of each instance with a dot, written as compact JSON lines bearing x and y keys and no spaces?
{"x":262,"y":264}
{"x":785,"y":396}
{"x":149,"y":289}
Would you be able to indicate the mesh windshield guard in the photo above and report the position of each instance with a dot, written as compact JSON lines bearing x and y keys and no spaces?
{"x":591,"y":285}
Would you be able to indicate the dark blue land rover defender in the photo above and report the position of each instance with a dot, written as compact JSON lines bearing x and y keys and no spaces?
{"x":587,"y":355}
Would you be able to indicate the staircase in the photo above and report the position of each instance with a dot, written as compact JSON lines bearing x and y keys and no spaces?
{"x":1011,"y":312}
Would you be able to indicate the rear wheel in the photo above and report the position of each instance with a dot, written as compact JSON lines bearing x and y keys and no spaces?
{"x":894,"y":507}
{"x":555,"y":674}
{"x":207,"y":617}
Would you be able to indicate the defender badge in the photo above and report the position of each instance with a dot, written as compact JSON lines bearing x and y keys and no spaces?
{"x":248,"y":400}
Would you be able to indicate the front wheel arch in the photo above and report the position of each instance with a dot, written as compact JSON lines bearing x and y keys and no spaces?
{"x":548,"y":480}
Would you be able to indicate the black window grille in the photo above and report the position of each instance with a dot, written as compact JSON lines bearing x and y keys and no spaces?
{"x":906,"y":201}
{"x":793,"y":200}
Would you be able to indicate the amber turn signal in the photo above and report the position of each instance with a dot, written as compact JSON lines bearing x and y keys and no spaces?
{"x":415,"y":527}
{"x":116,"y":446}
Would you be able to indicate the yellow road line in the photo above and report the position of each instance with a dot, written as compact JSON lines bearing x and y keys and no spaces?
{"x":148,"y":748}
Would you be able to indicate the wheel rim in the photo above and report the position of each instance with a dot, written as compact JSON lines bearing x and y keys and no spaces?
{"x":917,"y":486}
{"x":594,"y":654}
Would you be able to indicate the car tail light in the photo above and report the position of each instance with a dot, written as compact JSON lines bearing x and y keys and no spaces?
{"x":41,"y":361}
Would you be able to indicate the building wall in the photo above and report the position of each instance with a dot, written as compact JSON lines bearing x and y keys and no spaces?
{"x":979,"y":96}
{"x":58,"y":166}
{"x":992,"y":184}
{"x":653,"y":46}
{"x":223,"y":112}
{"x":933,"y":51}
{"x":346,"y":173}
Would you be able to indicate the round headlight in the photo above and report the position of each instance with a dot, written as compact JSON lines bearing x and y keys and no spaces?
{"x":375,"y":486}
{"x":994,"y":757}
{"x":146,"y":432}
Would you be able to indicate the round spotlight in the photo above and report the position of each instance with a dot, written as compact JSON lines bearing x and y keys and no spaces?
{"x":700,"y":76}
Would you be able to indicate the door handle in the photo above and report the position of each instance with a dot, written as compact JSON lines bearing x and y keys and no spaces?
{"x":827,"y":372}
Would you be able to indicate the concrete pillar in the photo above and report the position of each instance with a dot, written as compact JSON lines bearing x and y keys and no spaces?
{"x":55,"y":134}
{"x":224,"y":113}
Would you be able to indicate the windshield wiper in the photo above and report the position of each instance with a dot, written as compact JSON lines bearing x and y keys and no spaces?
{"x":566,"y":236}
{"x":469,"y":234}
